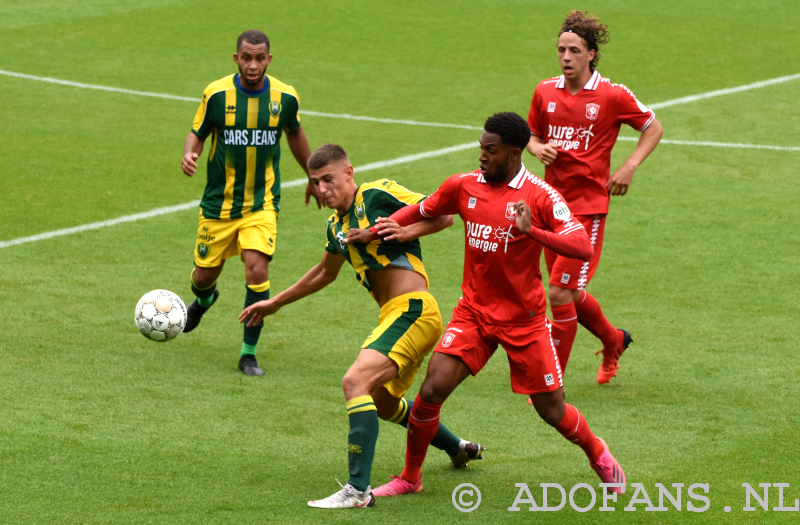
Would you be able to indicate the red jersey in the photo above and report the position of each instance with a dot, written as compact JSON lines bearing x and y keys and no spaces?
{"x":584,"y":128}
{"x":502,"y":281}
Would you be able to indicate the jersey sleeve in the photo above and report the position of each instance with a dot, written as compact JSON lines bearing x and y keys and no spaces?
{"x":444,"y":200}
{"x":203,"y":124}
{"x":403,"y":194}
{"x":632,"y":112}
{"x":292,"y":108}
{"x":534,"y":119}
{"x":551,"y":213}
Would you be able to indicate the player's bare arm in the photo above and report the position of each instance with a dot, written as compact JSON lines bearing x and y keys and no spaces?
{"x":390,"y":230}
{"x":544,"y":152}
{"x":313,"y":281}
{"x":621,"y":180}
{"x":298,"y":144}
{"x":192,"y":149}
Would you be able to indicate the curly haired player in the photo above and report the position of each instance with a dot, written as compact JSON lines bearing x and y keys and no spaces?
{"x":575,"y":119}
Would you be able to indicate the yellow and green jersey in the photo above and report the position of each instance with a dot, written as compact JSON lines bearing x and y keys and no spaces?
{"x":245,"y":128}
{"x":375,"y":199}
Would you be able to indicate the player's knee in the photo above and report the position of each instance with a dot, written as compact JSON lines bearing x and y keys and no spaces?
{"x":549,"y":408}
{"x":559,"y":296}
{"x":434,"y":391}
{"x":350,"y":383}
{"x":203,"y":278}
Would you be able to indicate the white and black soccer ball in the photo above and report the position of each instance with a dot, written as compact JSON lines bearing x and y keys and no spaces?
{"x":160,"y":315}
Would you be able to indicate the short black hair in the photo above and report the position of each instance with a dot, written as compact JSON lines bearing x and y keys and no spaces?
{"x":253,"y":36}
{"x":511,"y":127}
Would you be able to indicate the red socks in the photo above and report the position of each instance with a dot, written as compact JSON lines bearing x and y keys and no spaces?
{"x":575,"y":428}
{"x":422,"y":426}
{"x":565,"y":326}
{"x":590,"y":315}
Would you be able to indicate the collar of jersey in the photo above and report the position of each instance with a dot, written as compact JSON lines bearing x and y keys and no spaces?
{"x":594,"y":81}
{"x":248,"y":92}
{"x":516,"y":183}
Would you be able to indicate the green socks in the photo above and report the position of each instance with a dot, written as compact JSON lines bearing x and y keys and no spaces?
{"x":255,"y":293}
{"x":443,"y":440}
{"x":361,"y":441}
{"x":205,"y":296}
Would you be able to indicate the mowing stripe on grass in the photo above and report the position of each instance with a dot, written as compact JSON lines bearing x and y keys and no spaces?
{"x":193,"y":204}
{"x":717,"y":144}
{"x":657,"y":105}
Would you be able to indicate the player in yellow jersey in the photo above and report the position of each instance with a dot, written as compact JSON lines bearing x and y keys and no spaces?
{"x":410,"y":323}
{"x":245,"y":115}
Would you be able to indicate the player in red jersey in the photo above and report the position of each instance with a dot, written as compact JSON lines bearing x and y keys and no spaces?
{"x":509,"y":215}
{"x":575,"y":120}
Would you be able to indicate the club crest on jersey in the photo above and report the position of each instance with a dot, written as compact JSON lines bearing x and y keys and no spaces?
{"x":511,"y":213}
{"x":274,"y":108}
{"x":551,"y":107}
{"x":202,"y":250}
{"x":360,"y":213}
{"x":448,"y":338}
{"x":592,"y":110}
{"x":472,"y":202}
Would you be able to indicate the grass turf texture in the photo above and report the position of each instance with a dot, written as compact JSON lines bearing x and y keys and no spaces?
{"x":102,"y":426}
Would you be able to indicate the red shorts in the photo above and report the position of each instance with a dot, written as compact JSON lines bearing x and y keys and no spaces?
{"x":574,"y":274}
{"x":531,"y":354}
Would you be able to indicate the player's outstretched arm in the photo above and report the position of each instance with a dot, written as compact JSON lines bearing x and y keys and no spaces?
{"x":390,"y":230}
{"x":621,"y":180}
{"x":571,"y":243}
{"x":313,"y":281}
{"x":298,"y":144}
{"x":544,"y":152}
{"x":192,"y":149}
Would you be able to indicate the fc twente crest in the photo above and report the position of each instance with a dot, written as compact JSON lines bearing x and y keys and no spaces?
{"x":592,"y":110}
{"x":511,"y":213}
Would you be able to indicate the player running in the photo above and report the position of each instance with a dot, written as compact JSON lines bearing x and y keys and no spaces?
{"x":509,"y":214}
{"x":409,"y":326}
{"x":245,"y":116}
{"x":575,"y":120}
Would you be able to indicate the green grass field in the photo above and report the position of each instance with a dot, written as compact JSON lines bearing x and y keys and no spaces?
{"x":700,"y":263}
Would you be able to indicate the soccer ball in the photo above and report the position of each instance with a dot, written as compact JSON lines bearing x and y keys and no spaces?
{"x":160,"y":315}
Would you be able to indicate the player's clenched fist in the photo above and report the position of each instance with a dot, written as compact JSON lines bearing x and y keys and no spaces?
{"x":188,"y":164}
{"x":523,"y":216}
{"x":258,"y":311}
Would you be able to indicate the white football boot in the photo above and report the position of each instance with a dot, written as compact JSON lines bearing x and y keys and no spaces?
{"x":347,"y":498}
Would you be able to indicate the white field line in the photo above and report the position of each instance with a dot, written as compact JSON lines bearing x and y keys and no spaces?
{"x":726,"y":91}
{"x":717,"y":144}
{"x":197,"y":100}
{"x":193,"y":204}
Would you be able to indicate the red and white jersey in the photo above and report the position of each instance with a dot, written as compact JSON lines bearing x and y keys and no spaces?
{"x":583,"y":128}
{"x":502,"y":281}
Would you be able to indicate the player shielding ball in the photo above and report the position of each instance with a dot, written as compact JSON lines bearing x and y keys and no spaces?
{"x":509,"y":215}
{"x":409,"y":326}
{"x":575,"y":120}
{"x":245,"y":115}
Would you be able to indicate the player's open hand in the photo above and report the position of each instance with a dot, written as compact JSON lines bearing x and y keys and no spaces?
{"x":546,"y":154}
{"x":523,"y":216}
{"x":621,"y":180}
{"x":389,"y":230}
{"x":258,"y":311}
{"x":358,"y":235}
{"x":313,"y":191}
{"x":188,"y":164}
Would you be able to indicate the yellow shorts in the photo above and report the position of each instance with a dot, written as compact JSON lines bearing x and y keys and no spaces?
{"x":410,"y":326}
{"x":218,"y":240}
